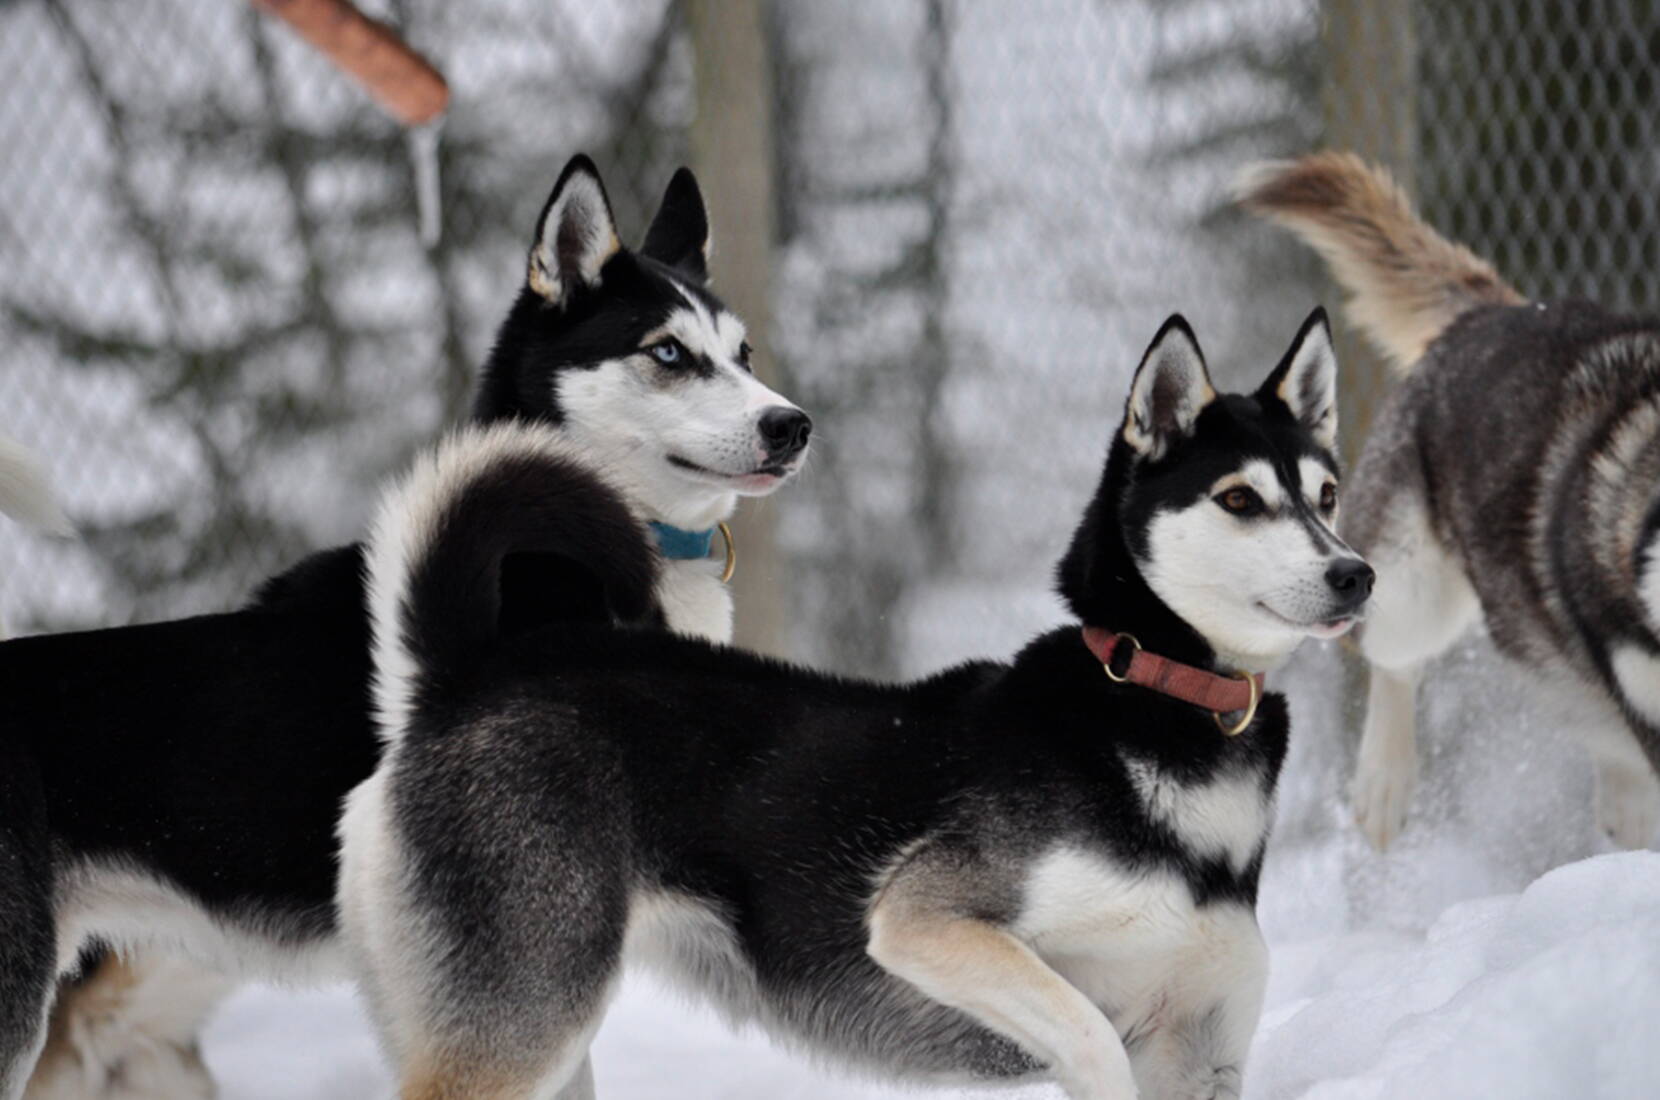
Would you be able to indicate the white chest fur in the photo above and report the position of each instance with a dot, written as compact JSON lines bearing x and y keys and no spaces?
{"x":1134,"y":942}
{"x":694,"y":600}
{"x":1225,"y":817}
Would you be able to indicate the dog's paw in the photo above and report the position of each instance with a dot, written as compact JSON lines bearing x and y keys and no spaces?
{"x":1219,"y":1084}
{"x":1628,"y":805}
{"x":1093,"y":1074}
{"x":1382,"y":790}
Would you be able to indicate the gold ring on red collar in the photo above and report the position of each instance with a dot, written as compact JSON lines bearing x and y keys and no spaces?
{"x":1250,"y":708}
{"x":1115,"y":677}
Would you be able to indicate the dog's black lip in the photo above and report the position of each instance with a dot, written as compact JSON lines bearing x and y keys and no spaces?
{"x":686,"y":464}
{"x":1348,"y":616}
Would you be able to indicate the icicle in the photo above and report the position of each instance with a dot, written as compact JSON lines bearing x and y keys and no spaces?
{"x":423,"y":155}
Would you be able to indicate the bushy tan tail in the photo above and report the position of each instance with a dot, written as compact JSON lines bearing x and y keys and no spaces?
{"x":1406,"y":282}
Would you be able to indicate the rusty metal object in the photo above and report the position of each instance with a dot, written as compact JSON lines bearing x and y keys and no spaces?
{"x":400,"y":79}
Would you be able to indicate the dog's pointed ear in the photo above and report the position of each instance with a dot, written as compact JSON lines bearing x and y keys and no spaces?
{"x":1171,"y":387}
{"x":679,"y":234}
{"x":575,"y":234}
{"x":1306,"y":380}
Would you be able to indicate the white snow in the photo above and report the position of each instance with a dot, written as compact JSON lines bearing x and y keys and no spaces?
{"x":1551,"y":993}
{"x":271,"y":1044}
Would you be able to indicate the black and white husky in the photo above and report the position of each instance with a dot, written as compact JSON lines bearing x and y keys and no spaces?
{"x":176,"y":786}
{"x":1002,"y":870}
{"x":1513,"y":477}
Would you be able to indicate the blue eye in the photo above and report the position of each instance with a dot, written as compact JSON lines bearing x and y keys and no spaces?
{"x":666,"y":353}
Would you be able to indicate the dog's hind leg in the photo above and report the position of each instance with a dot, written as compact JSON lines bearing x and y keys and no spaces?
{"x":22,"y":1031}
{"x":581,"y":1086}
{"x":26,"y":972}
{"x":1422,"y":603}
{"x":488,"y":937}
{"x":128,"y":1028}
{"x":479,"y":1074}
{"x":510,"y":1027}
{"x":28,"y":932}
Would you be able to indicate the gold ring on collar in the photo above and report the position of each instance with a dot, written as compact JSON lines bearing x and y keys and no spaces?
{"x":1107,"y":668}
{"x":1250,"y":709}
{"x":732,"y":558}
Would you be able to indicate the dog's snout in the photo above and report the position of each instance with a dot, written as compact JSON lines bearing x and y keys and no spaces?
{"x":1351,"y":579}
{"x":785,"y":431}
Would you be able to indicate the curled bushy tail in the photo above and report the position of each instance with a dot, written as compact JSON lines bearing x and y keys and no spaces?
{"x":25,"y":494}
{"x":441,"y":533}
{"x":1406,"y":282}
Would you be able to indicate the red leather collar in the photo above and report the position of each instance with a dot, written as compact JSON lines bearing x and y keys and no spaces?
{"x":1218,"y":694}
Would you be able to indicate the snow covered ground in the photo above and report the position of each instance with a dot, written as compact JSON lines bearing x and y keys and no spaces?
{"x":1549,"y":994}
{"x":1461,"y":965}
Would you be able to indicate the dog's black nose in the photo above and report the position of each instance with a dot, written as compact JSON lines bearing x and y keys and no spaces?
{"x":785,"y":431}
{"x":1351,"y":579}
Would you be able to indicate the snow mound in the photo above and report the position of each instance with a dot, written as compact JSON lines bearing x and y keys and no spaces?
{"x":1550,"y":993}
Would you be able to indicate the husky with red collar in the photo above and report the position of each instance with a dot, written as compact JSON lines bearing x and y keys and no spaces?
{"x":1000,"y":872}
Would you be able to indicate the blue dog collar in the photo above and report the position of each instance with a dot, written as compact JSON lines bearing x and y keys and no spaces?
{"x":679,"y":544}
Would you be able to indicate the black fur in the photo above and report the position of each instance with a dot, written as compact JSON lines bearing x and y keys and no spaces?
{"x":679,"y":235}
{"x":601,"y":763}
{"x":28,"y":955}
{"x":213,"y":752}
{"x":536,"y":506}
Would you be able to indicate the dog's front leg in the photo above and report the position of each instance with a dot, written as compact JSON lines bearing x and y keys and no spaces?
{"x":979,"y":969}
{"x":1387,"y":763}
{"x":1200,"y":1053}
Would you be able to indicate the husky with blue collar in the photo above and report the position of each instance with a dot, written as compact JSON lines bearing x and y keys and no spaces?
{"x":1003,"y":871}
{"x":173,"y":788}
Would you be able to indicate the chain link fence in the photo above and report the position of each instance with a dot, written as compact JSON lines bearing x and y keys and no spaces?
{"x":219,"y":327}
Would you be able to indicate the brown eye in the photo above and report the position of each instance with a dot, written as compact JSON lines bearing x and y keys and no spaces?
{"x":743,"y":354}
{"x":1328,"y":497}
{"x":1240,"y":501}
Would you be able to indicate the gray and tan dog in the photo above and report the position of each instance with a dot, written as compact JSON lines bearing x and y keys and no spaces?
{"x":1512,"y":477}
